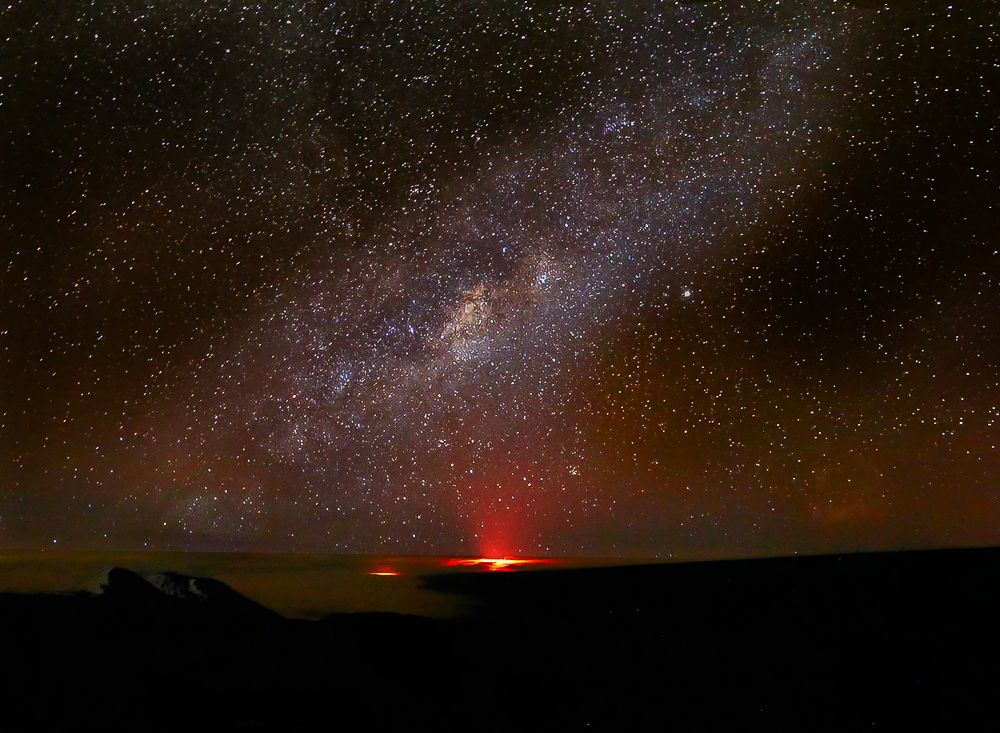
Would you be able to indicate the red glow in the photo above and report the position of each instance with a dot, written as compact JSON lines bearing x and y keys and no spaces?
{"x":494,"y":563}
{"x":384,"y":570}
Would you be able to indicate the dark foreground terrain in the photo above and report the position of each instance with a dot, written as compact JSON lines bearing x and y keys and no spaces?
{"x":893,"y":641}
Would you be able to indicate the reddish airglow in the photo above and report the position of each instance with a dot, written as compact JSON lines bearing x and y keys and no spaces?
{"x":494,"y":563}
{"x":384,"y":570}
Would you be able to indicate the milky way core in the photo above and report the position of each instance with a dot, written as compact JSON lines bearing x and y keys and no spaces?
{"x":620,"y":279}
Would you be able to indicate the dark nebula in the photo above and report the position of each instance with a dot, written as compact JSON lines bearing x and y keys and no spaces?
{"x":598,"y":279}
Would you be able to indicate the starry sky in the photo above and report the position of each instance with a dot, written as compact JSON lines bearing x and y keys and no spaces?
{"x":623,"y":279}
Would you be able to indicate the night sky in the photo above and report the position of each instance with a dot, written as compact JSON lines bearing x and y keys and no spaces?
{"x":482,"y":277}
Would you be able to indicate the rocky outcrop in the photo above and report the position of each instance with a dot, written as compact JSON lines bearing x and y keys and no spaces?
{"x":213,"y":596}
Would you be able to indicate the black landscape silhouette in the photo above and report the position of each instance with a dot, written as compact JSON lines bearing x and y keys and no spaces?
{"x":898,"y":641}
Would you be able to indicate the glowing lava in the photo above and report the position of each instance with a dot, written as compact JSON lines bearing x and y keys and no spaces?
{"x":384,"y":570}
{"x":494,"y":563}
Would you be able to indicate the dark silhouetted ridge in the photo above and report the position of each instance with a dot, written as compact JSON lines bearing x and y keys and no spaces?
{"x":881,"y":641}
{"x":213,"y":596}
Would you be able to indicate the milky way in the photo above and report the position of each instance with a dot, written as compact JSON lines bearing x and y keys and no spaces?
{"x":599,"y":279}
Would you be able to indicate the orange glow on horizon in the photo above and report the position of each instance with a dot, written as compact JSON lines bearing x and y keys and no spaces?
{"x":494,"y":563}
{"x":384,"y":570}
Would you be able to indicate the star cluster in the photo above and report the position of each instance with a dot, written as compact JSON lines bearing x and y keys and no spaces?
{"x":626,"y":279}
